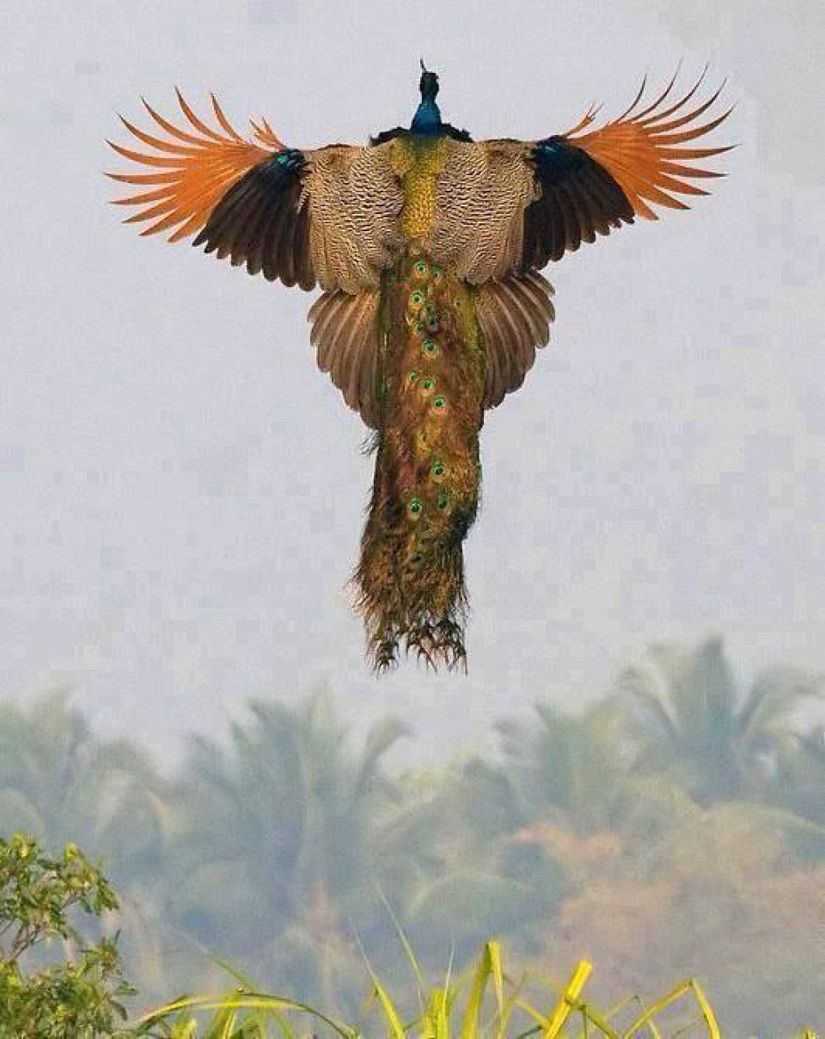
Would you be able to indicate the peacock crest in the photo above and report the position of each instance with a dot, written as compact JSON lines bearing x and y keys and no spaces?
{"x":427,"y":247}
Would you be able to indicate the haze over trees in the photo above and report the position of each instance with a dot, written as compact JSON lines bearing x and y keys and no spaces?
{"x":674,"y":828}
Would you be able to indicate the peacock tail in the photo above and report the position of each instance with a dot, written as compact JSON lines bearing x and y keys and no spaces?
{"x":427,"y":246}
{"x":427,"y":469}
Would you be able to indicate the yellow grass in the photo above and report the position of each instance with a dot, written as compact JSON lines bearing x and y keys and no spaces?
{"x":244,"y":1014}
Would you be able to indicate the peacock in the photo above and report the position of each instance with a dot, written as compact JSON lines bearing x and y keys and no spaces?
{"x":427,"y":246}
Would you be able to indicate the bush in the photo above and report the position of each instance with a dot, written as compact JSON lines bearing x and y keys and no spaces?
{"x":39,"y":900}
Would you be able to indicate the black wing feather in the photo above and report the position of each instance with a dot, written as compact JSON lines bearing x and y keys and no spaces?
{"x":579,"y":199}
{"x":260,"y":221}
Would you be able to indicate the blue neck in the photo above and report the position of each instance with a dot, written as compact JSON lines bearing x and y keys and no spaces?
{"x":427,"y":119}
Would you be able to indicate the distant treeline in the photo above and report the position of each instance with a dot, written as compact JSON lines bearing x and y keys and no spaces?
{"x":674,"y":828}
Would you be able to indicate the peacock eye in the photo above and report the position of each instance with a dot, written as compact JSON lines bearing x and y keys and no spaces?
{"x":415,"y":507}
{"x":432,"y":324}
{"x":439,"y":403}
{"x":443,"y":500}
{"x":420,"y":268}
{"x":412,"y":377}
{"x":417,"y":298}
{"x":429,"y":346}
{"x":429,"y":307}
{"x":438,"y":469}
{"x":427,"y":384}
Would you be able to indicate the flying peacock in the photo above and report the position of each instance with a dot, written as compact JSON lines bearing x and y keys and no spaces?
{"x":427,"y":246}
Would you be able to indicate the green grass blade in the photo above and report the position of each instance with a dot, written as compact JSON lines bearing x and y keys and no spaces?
{"x":657,"y":1008}
{"x":691,"y":985}
{"x":705,"y":1007}
{"x":494,"y":952}
{"x":617,"y":1008}
{"x":590,"y":1016}
{"x":390,"y":1012}
{"x":568,"y":1000}
{"x":437,"y":1023}
{"x":222,"y":1024}
{"x":471,"y":1026}
{"x":407,"y":947}
{"x":397,"y":1029}
{"x":527,"y":1008}
{"x":244,"y":1001}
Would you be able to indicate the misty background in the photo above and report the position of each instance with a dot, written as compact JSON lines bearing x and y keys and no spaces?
{"x":182,"y":490}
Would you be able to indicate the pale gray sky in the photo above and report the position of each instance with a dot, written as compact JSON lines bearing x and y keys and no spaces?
{"x":182,"y":491}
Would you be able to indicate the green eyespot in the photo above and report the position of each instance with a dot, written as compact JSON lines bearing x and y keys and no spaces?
{"x":427,"y":386}
{"x":417,"y":298}
{"x":437,"y":470}
{"x":420,"y":268}
{"x":439,"y":403}
{"x":429,"y":307}
{"x":432,"y":324}
{"x":430,"y":346}
{"x":412,"y":377}
{"x":415,"y":507}
{"x":443,"y":500}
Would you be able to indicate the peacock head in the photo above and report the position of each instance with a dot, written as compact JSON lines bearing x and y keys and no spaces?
{"x":428,"y":84}
{"x":427,"y":118}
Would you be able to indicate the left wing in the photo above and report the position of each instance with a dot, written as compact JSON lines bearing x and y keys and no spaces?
{"x":327,"y":215}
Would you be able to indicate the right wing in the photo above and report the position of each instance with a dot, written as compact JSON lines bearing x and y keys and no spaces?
{"x":512,"y":206}
{"x":505,"y":208}
{"x":327,"y":215}
{"x":593,"y":180}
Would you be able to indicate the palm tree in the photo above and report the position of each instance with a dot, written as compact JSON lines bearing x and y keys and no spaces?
{"x":691,"y":721}
{"x":493,"y":865}
{"x":60,"y":783}
{"x":798,"y":787}
{"x":799,"y":783}
{"x":473,"y":876}
{"x":567,"y":769}
{"x":280,"y":847}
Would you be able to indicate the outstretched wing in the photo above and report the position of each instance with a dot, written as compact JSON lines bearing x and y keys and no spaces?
{"x":593,"y":180}
{"x":511,"y":206}
{"x":504,"y":208}
{"x":326,"y":215}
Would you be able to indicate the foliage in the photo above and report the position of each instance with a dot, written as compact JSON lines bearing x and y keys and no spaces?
{"x":475,"y":876}
{"x":39,"y":897}
{"x":60,"y":783}
{"x":568,"y":769}
{"x":673,"y":827}
{"x":715,"y":740}
{"x":799,"y":781}
{"x":717,"y":897}
{"x":281,"y":844}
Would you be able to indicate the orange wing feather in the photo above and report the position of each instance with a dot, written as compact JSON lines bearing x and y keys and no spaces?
{"x":198,"y":169}
{"x":644,"y":151}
